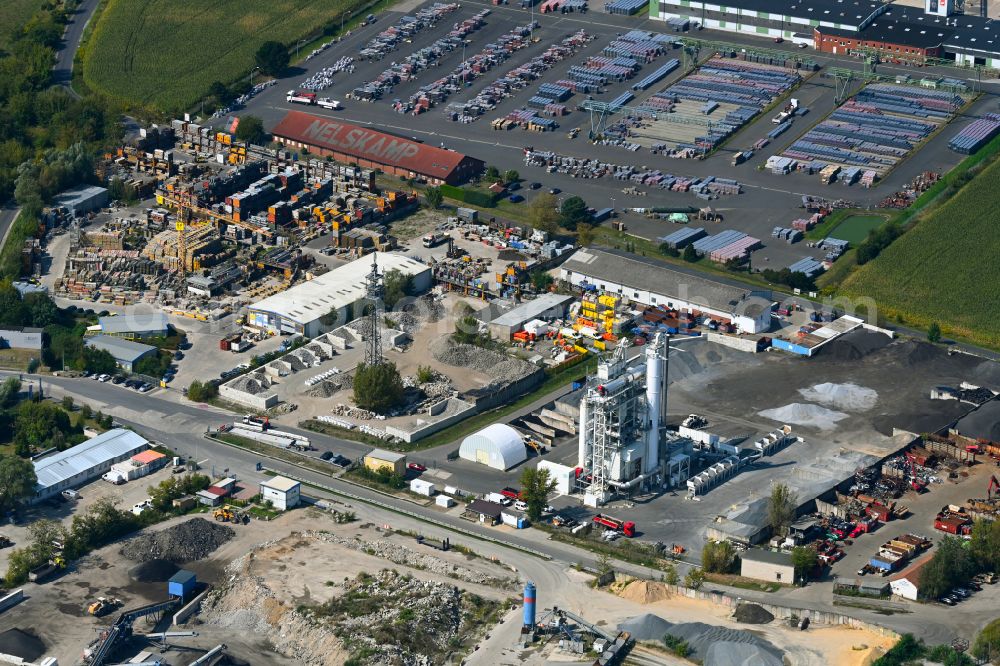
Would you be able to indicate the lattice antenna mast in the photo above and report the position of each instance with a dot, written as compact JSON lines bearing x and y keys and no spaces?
{"x":375,"y":294}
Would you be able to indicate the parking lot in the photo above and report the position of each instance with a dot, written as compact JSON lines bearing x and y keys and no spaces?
{"x":767,"y":200}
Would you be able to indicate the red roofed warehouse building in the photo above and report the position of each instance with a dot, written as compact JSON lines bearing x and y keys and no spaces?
{"x":373,"y":149}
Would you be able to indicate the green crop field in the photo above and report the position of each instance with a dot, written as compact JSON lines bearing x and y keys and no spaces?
{"x":13,"y":15}
{"x":944,"y":269}
{"x":855,"y":228}
{"x":166,"y":53}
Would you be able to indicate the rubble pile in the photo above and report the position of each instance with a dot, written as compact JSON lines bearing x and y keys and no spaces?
{"x":185,"y":542}
{"x":328,"y":387}
{"x":400,"y":554}
{"x":340,"y":409}
{"x":498,"y":366}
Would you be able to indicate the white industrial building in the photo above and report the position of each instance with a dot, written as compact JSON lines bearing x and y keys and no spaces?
{"x":282,"y":492}
{"x":298,"y":310}
{"x":622,"y":415}
{"x":653,"y":283}
{"x":83,"y":462}
{"x":498,"y":446}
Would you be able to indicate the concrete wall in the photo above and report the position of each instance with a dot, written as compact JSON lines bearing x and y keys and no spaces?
{"x":11,"y":600}
{"x":181,"y":616}
{"x":507,"y":393}
{"x":416,"y":434}
{"x":742,"y":344}
{"x":259,"y":401}
{"x":21,"y":339}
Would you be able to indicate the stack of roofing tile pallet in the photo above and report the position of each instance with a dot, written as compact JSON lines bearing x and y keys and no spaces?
{"x":976,"y":135}
{"x":875,"y":130}
{"x":746,"y":87}
{"x":726,"y":246}
{"x":626,"y":7}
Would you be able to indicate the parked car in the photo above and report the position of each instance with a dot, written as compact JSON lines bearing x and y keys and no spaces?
{"x":554,"y":190}
{"x":70,"y":494}
{"x":341,"y":461}
{"x":103,"y":378}
{"x":146,"y":387}
{"x":178,"y":355}
{"x":417,"y":467}
{"x":326,"y":455}
{"x":516,"y":198}
{"x":534,"y":186}
{"x":117,"y":379}
{"x":521,"y":506}
{"x":947,"y":600}
{"x":513,"y":187}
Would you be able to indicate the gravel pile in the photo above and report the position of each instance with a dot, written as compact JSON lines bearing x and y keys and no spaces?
{"x":802,"y":414}
{"x":752,"y":614}
{"x":700,"y":637}
{"x":851,"y":397}
{"x":252,"y":384}
{"x":295,"y":362}
{"x":500,"y":367}
{"x":153,"y":571}
{"x":646,"y":627}
{"x":728,"y":653}
{"x":191,"y":540}
{"x":855,"y":345}
{"x":23,"y":644}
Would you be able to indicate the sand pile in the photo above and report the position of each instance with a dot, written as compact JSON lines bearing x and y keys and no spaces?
{"x":646,"y":627}
{"x":850,"y":397}
{"x":644,"y":592}
{"x":803,"y":414}
{"x":752,"y":614}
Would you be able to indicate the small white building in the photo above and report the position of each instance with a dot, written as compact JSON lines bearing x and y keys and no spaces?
{"x":421,"y":487}
{"x":282,"y":492}
{"x":905,"y":588}
{"x":498,"y":446}
{"x":563,"y":475}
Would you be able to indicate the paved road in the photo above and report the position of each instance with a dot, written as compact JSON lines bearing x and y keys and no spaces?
{"x":7,"y":216}
{"x":62,"y":73}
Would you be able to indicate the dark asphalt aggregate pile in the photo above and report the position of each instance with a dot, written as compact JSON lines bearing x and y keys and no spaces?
{"x":191,"y":540}
{"x":752,"y":614}
{"x":20,"y":643}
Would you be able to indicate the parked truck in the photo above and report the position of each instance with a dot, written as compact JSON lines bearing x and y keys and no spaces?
{"x":626,"y":527}
{"x":42,"y":573}
{"x":258,"y":423}
{"x":433,"y":240}
{"x":327,"y":103}
{"x":298,"y":97}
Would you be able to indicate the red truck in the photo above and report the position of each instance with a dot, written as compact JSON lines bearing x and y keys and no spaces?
{"x":511,"y":493}
{"x":626,"y":527}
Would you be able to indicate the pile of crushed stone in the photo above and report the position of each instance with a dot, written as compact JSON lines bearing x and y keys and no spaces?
{"x":728,"y":653}
{"x":646,"y":627}
{"x":803,"y":414}
{"x":752,"y":614}
{"x":855,"y":345}
{"x":850,"y":397}
{"x":700,"y":637}
{"x":185,"y":542}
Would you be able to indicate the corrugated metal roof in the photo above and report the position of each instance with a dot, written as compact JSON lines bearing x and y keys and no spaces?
{"x":122,"y":350}
{"x":75,"y":460}
{"x":147,"y":457}
{"x":543,"y":305}
{"x":342,"y":287}
{"x":368,"y":144}
{"x":387,"y":456}
{"x":139,"y":322}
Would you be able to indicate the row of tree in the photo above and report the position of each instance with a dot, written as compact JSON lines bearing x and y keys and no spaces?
{"x":956,"y":561}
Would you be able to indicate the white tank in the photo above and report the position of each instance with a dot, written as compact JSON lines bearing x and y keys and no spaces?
{"x":582,"y":456}
{"x":655,"y":375}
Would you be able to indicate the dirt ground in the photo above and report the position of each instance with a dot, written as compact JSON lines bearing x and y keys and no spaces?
{"x":303,"y":569}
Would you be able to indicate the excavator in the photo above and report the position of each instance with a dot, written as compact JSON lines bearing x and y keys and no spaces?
{"x":228,"y":514}
{"x":992,"y":501}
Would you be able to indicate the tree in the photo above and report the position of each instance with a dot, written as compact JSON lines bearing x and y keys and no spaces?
{"x":251,"y":130}
{"x":40,"y":309}
{"x":272,"y":58}
{"x":540,"y":280}
{"x":511,"y":176}
{"x":934,"y":332}
{"x":17,"y":482}
{"x":543,"y":213}
{"x":535,"y":488}
{"x":397,"y":286}
{"x":467,"y":331}
{"x":85,"y":412}
{"x":694,"y":578}
{"x":781,"y":508}
{"x":951,"y":566}
{"x":220,"y":92}
{"x":573,"y":212}
{"x":98,"y":361}
{"x":9,"y":391}
{"x":718,"y":557}
{"x":804,"y":560}
{"x":690,"y":254}
{"x":67,"y":403}
{"x":492,"y":173}
{"x":434,"y":197}
{"x":378,"y":388}
{"x":36,"y":422}
{"x":669,"y":250}
{"x":987,"y":645}
{"x":984,"y":544}
{"x":584,"y":234}
{"x":603,"y":564}
{"x":202,"y":391}
{"x":670,"y":575}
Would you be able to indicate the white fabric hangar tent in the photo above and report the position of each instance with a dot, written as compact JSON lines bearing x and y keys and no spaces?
{"x":497,"y":445}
